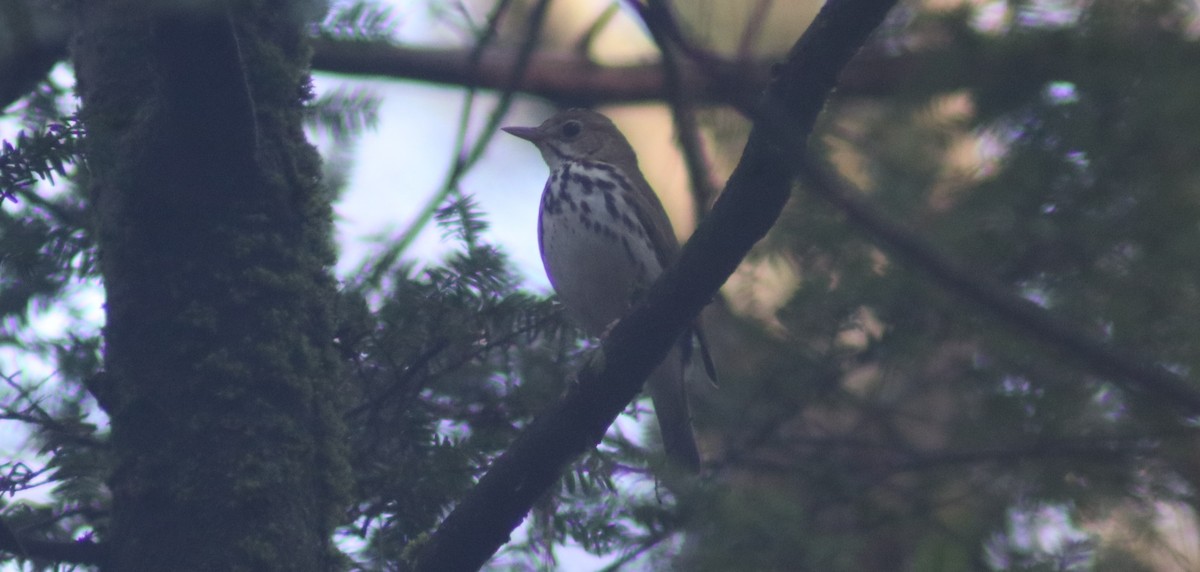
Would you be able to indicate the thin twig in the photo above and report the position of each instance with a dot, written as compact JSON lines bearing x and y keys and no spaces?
{"x":1132,"y":372}
{"x":753,"y":30}
{"x":584,"y":45}
{"x":651,"y":540}
{"x":466,"y":159}
{"x":658,"y":17}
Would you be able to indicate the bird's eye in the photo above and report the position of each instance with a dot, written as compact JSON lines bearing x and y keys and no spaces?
{"x":571,"y":128}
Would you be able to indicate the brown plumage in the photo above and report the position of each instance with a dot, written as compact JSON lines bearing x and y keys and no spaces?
{"x":605,"y":237}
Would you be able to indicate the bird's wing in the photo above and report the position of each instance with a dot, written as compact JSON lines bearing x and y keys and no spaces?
{"x":653,"y":218}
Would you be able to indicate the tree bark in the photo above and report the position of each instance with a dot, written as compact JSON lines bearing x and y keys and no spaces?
{"x":215,"y":245}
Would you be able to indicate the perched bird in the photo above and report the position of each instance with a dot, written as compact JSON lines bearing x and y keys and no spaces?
{"x":604,"y":237}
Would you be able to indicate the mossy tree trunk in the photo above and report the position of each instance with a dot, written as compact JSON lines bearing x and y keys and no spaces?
{"x":214,"y":235}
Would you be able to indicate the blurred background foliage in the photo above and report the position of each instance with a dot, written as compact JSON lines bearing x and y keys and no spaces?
{"x":868,"y":418}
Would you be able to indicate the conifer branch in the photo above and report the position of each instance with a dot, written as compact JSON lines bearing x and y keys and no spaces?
{"x":38,"y":155}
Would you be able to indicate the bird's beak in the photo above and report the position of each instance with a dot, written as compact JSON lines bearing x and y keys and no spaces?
{"x":527,"y":133}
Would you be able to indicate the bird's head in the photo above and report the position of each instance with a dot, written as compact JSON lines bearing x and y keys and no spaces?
{"x":578,"y":134}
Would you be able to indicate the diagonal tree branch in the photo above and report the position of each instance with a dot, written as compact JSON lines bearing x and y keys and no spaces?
{"x":1132,"y":372}
{"x":753,"y":200}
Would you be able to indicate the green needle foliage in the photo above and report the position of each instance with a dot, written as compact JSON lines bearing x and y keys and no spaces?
{"x":869,"y":417}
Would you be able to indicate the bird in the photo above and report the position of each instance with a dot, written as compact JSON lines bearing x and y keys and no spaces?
{"x":604,"y":238}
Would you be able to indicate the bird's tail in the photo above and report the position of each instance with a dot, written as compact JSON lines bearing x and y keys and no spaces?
{"x":668,"y":391}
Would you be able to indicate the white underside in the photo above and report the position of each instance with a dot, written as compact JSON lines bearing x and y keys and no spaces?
{"x":591,"y":271}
